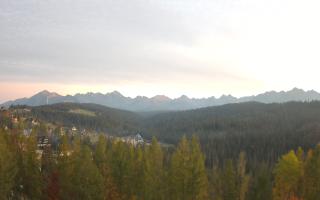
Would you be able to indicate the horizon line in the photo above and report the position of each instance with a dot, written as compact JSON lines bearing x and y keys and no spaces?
{"x":172,"y":98}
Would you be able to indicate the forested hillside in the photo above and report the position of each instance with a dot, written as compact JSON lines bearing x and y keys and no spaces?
{"x":235,"y":151}
{"x":89,"y":116}
{"x":263,"y":131}
{"x":114,"y":170}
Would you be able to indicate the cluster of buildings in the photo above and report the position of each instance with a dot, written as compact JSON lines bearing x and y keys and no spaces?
{"x":48,"y":137}
{"x":133,"y":139}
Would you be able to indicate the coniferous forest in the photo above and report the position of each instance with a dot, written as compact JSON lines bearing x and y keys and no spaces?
{"x":159,"y":100}
{"x":228,"y":163}
{"x":112,"y":169}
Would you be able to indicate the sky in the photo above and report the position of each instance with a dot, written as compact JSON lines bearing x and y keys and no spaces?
{"x":199,"y":48}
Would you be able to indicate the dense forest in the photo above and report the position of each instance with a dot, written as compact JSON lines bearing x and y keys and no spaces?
{"x":114,"y":170}
{"x":244,"y":151}
{"x":89,"y":116}
{"x":263,"y":131}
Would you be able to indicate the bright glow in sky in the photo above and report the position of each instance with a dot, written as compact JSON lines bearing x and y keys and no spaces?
{"x":199,"y":48}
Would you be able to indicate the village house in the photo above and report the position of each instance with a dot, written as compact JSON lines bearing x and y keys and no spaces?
{"x":74,"y":128}
{"x":134,"y":140}
{"x":43,"y":142}
{"x":35,"y":122}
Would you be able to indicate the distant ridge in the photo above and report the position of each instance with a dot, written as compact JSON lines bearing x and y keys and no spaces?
{"x":160,"y":102}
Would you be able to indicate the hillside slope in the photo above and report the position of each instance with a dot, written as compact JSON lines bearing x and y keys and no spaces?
{"x":89,"y":116}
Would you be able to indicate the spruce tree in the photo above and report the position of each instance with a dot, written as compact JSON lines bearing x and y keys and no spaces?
{"x":261,"y":185}
{"x":229,"y":182}
{"x":65,"y":168}
{"x":179,"y":171}
{"x":87,"y":180}
{"x":103,"y":164}
{"x":312,"y":175}
{"x":31,"y":183}
{"x":187,"y":173}
{"x":8,"y":168}
{"x":198,"y":187}
{"x":154,"y":172}
{"x":242,"y":177}
{"x":287,"y":175}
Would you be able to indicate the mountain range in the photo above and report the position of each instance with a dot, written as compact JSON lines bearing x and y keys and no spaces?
{"x":161,"y":102}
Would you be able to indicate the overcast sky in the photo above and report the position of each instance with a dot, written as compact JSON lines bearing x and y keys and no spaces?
{"x":199,"y":48}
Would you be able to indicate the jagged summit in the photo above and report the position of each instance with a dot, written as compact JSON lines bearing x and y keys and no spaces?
{"x":160,"y":98}
{"x":161,"y":102}
{"x":47,"y":93}
{"x":115,"y":93}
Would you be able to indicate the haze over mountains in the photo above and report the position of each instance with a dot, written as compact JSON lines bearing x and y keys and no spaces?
{"x":161,"y":102}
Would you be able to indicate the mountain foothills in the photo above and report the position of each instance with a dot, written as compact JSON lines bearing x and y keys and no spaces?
{"x":264,"y":131}
{"x":244,"y":151}
{"x":241,"y":151}
{"x":161,"y":102}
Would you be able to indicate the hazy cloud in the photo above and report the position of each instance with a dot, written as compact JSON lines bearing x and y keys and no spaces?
{"x":219,"y":45}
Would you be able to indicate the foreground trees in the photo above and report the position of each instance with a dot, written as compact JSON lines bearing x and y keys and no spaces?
{"x":187,"y":173}
{"x":287,"y":177}
{"x":297,"y":177}
{"x":114,"y":170}
{"x":311,"y":179}
{"x":8,"y":169}
{"x":232,"y":181}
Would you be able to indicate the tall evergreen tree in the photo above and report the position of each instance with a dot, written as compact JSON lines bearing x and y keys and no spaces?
{"x":198,"y":179}
{"x":287,"y":175}
{"x":312,"y":175}
{"x":65,"y":168}
{"x":229,"y":182}
{"x":120,"y":168}
{"x":87,"y":180}
{"x":261,"y":185}
{"x":242,"y":177}
{"x":188,"y":176}
{"x":30,"y":169}
{"x":179,"y":171}
{"x":137,"y":172}
{"x":103,"y":164}
{"x":154,"y":172}
{"x":8,"y":168}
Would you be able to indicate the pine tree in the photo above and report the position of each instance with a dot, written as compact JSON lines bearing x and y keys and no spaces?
{"x":216,"y":186}
{"x":50,"y":175}
{"x":65,"y":169}
{"x":154,"y":172}
{"x":229,"y":182}
{"x":30,"y":175}
{"x":287,"y":175}
{"x":179,"y":171}
{"x":87,"y":180}
{"x":261,"y":185}
{"x":120,"y":157}
{"x":242,"y":178}
{"x":312,"y":175}
{"x":8,"y":169}
{"x":188,"y":176}
{"x":198,"y":180}
{"x":103,"y":164}
{"x":137,"y":172}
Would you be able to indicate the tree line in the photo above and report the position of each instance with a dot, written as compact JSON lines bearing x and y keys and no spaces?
{"x":109,"y":169}
{"x":114,"y":170}
{"x":263,"y":131}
